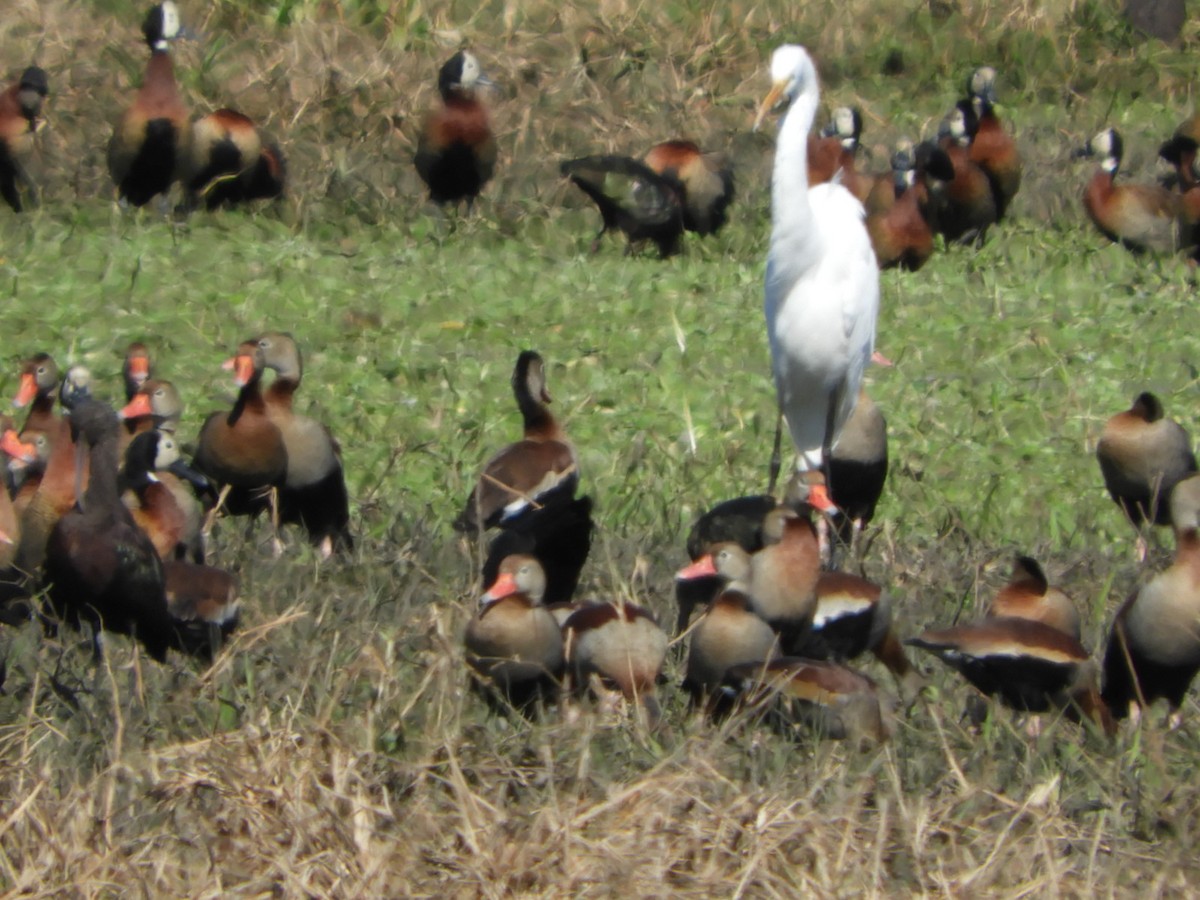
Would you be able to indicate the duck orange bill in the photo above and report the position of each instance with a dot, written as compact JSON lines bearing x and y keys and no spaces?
{"x":818,"y":498}
{"x":242,"y":367}
{"x":138,"y":406}
{"x":769,"y":102}
{"x":504,"y":586}
{"x":5,"y":537}
{"x":26,"y":391}
{"x":139,"y":368}
{"x":11,"y":444}
{"x":700,"y":568}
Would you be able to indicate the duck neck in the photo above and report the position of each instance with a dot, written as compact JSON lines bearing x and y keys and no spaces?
{"x":282,"y":390}
{"x":102,"y":493}
{"x":539,"y":421}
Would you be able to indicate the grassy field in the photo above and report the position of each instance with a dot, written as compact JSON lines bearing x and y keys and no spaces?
{"x":334,"y":749}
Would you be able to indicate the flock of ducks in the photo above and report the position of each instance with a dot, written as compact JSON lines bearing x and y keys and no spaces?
{"x":111,"y":522}
{"x":102,"y":512}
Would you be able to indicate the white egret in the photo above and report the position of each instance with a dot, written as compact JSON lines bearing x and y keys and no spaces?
{"x":822,"y":284}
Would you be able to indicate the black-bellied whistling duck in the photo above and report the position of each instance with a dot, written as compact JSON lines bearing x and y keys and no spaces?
{"x":99,"y":566}
{"x":13,"y":584}
{"x":513,"y":641}
{"x":729,"y":633}
{"x":20,"y":106}
{"x":314,"y":490}
{"x":902,"y":224}
{"x":1029,"y":665}
{"x":204,"y":606}
{"x":557,"y":534}
{"x":136,"y":369}
{"x":456,"y":151}
{"x":1180,"y":151}
{"x":993,"y":149}
{"x":145,"y":153}
{"x":242,"y":451}
{"x":707,"y":180}
{"x":1142,"y":455}
{"x":26,"y":466}
{"x":632,"y":198}
{"x":230,"y":161}
{"x":155,"y":405}
{"x":169,"y":514}
{"x":858,"y":467}
{"x":622,"y":645}
{"x":1140,"y":217}
{"x":1154,"y":647}
{"x":525,"y":472}
{"x":38,"y":389}
{"x":966,"y":207}
{"x":1029,"y":595}
{"x":823,"y":696}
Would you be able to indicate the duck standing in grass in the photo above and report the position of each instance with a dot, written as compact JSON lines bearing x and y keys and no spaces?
{"x":456,"y":151}
{"x":822,"y":282}
{"x":20,"y":107}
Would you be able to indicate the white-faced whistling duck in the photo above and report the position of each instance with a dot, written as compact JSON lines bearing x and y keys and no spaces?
{"x":993,"y":149}
{"x":1029,"y":595}
{"x":153,"y":487}
{"x":825,"y":697}
{"x":526,"y":472}
{"x":834,"y":153}
{"x":242,"y":451}
{"x":1142,"y":455}
{"x":966,"y":208}
{"x":314,"y":492}
{"x":513,"y":641}
{"x":456,"y":151}
{"x":903,"y":223}
{"x":145,"y":154}
{"x":1029,"y":665}
{"x":729,"y":632}
{"x":707,"y":180}
{"x":1138,"y":216}
{"x":632,"y":198}
{"x":230,"y":161}
{"x":99,"y":567}
{"x":20,"y":107}
{"x":557,"y":533}
{"x":1154,"y":647}
{"x":1180,"y":152}
{"x":623,"y":646}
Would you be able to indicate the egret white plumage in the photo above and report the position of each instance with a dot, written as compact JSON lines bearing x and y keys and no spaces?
{"x":822,"y":284}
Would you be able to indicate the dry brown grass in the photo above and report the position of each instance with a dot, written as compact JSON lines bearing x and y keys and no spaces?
{"x":335,"y":749}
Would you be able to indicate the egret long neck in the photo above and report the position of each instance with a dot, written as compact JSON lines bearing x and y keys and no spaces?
{"x":791,"y":211}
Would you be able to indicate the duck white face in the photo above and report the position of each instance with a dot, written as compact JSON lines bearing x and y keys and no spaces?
{"x":170,"y":20}
{"x":471,"y":72}
{"x":846,"y":126}
{"x":1107,"y":145}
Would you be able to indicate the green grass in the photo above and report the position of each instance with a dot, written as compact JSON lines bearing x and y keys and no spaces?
{"x":335,"y":750}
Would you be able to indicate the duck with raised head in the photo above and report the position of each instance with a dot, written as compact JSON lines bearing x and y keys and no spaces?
{"x":314,"y":490}
{"x":822,"y":282}
{"x":992,"y":148}
{"x":729,"y":632}
{"x":820,"y":696}
{"x":834,"y":154}
{"x":156,"y":405}
{"x":1142,"y":456}
{"x":902,"y":224}
{"x":1029,"y":595}
{"x":229,"y":160}
{"x":136,"y":369}
{"x":160,"y":503}
{"x":146,"y":150}
{"x":1028,"y":665}
{"x":456,"y":150}
{"x":99,"y":567}
{"x":242,"y":451}
{"x":1140,"y":217}
{"x":38,"y":389}
{"x":527,"y":472}
{"x":1154,"y":646}
{"x":20,"y":108}
{"x":513,"y":641}
{"x":621,"y":645}
{"x":966,"y":207}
